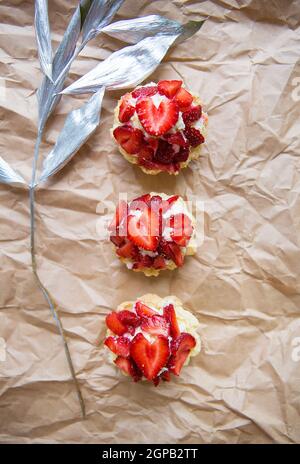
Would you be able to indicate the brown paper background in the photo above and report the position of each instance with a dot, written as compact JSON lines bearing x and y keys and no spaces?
{"x":243,"y":284}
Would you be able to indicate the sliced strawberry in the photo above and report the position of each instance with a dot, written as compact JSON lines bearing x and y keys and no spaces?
{"x":126,"y":110}
{"x":129,"y":138}
{"x":121,"y":213}
{"x":169,"y":88}
{"x":145,"y":91}
{"x":157,"y":121}
{"x":156,"y":325}
{"x":117,"y":241}
{"x":166,"y":376}
{"x":114,"y":324}
{"x":143,"y":261}
{"x":143,"y":231}
{"x":129,"y":318}
{"x":192,"y":115}
{"x":128,"y":250}
{"x":170,"y":316}
{"x":144,"y":198}
{"x":176,"y":139}
{"x":143,"y":310}
{"x":164,"y":249}
{"x":182,"y":155}
{"x":145,"y":155}
{"x":194,"y":136}
{"x":182,"y":229}
{"x":140,"y":203}
{"x":166,"y":204}
{"x":156,"y":204}
{"x":156,"y":381}
{"x":176,"y":254}
{"x":159,"y":262}
{"x":164,"y":153}
{"x":180,"y":349}
{"x":150,"y":357}
{"x":183,"y":99}
{"x":129,"y":367}
{"x":153,"y":142}
{"x":118,"y":345}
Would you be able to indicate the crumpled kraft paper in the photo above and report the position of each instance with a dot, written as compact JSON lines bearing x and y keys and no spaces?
{"x":243,"y":284}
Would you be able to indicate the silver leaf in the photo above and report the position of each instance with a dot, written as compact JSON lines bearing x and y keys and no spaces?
{"x":126,"y":67}
{"x":134,"y":30}
{"x":8,"y":175}
{"x":43,"y":38}
{"x":47,"y":94}
{"x":100,"y":14}
{"x":79,"y":125}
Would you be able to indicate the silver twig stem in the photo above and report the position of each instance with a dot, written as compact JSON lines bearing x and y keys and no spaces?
{"x":45,"y":292}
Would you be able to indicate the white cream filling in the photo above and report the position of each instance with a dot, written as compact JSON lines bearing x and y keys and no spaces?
{"x":152,"y":254}
{"x":157,"y":99}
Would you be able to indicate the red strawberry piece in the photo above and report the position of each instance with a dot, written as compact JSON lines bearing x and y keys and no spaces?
{"x":129,"y":250}
{"x":156,"y":381}
{"x":126,"y":110}
{"x":143,"y":231}
{"x":194,"y":136}
{"x":169,"y":202}
{"x":180,"y":349}
{"x":176,"y":254}
{"x":129,"y":367}
{"x":150,"y":357}
{"x":166,"y":376}
{"x":192,"y":115}
{"x":143,"y":310}
{"x":129,"y":138}
{"x":172,"y":199}
{"x":144,"y":91}
{"x":145,"y":155}
{"x":145,"y":260}
{"x":156,"y":203}
{"x":182,"y":229}
{"x":143,"y":198}
{"x":164,"y":153}
{"x":157,"y":121}
{"x":116,"y":240}
{"x":156,"y":325}
{"x":169,"y":88}
{"x":159,"y":262}
{"x":164,"y":249}
{"x":129,"y":318}
{"x":121,"y":213}
{"x":114,"y":324}
{"x":182,"y":155}
{"x":176,"y":139}
{"x":118,"y":345}
{"x":183,"y":99}
{"x":170,"y":316}
{"x":153,"y":142}
{"x":140,"y":203}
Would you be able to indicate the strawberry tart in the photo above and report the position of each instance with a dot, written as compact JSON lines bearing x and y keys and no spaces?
{"x":152,"y":338}
{"x":160,"y":127}
{"x":153,"y":232}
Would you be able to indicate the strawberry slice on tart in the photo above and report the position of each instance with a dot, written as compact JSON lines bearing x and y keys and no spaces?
{"x":160,"y":127}
{"x":157,"y":120}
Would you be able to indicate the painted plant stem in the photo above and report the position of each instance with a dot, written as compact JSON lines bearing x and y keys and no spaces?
{"x":45,"y":292}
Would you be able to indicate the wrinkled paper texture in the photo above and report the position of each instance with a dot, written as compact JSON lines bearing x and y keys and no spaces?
{"x":243,"y":284}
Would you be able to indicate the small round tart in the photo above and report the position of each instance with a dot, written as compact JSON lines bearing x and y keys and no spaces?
{"x":152,"y":337}
{"x":160,"y":127}
{"x":153,"y":232}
